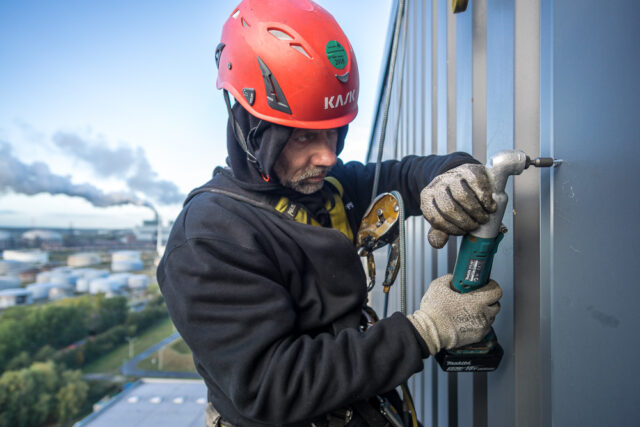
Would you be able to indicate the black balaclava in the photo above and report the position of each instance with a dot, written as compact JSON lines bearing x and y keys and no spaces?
{"x":268,"y":140}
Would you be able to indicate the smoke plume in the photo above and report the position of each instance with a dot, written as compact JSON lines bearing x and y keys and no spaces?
{"x":120,"y":162}
{"x":37,"y":178}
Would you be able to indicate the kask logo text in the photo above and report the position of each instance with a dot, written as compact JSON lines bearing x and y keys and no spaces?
{"x":339,"y":100}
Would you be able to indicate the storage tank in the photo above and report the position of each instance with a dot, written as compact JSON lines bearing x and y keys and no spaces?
{"x":59,"y":278}
{"x":99,"y":285}
{"x":125,"y":255}
{"x":8,"y":266}
{"x":120,"y":279}
{"x":40,"y":291}
{"x":33,"y":257}
{"x":82,"y":284}
{"x":127,"y":265}
{"x":57,"y":291}
{"x":8,"y":282}
{"x":126,"y":261}
{"x":84,"y":259}
{"x":65,"y":275}
{"x":43,"y":277}
{"x":108,"y":285}
{"x":138,"y":282}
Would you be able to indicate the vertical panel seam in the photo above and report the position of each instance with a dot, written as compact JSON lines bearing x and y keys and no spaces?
{"x":479,"y":148}
{"x":527,"y":225}
{"x":451,"y":82}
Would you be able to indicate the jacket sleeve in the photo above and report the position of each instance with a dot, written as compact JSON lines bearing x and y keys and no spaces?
{"x":408,"y":176}
{"x":229,"y":304}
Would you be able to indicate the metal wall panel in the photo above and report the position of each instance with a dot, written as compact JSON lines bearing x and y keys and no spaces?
{"x":466,"y":111}
{"x":547,"y":259}
{"x":552,"y":77}
{"x":500,"y":130}
{"x":526,"y":222}
{"x":440,"y":100}
{"x":593,"y":107}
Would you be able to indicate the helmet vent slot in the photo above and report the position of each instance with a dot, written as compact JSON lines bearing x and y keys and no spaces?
{"x":301,"y":50}
{"x":279,"y":34}
{"x":244,"y":23}
{"x":275,"y":96}
{"x":235,"y":14}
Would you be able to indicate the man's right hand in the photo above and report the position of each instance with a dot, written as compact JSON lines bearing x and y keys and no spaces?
{"x":457,"y":202}
{"x":448,"y":319}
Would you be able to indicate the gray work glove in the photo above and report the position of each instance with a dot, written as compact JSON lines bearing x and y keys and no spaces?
{"x":456,"y":202}
{"x":448,"y":319}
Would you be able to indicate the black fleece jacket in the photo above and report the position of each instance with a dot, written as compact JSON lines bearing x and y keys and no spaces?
{"x":271,"y":307}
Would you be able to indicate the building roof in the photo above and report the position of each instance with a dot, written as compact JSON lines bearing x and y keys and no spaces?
{"x":153,"y":403}
{"x":26,"y":256}
{"x":14,"y":292}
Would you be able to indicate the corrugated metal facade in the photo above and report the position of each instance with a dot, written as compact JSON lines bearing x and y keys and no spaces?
{"x":550,"y":77}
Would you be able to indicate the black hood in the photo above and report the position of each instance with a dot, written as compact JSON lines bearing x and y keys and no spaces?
{"x":267,"y":140}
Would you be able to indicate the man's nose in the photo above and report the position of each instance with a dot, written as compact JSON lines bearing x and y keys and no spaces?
{"x":325,"y":153}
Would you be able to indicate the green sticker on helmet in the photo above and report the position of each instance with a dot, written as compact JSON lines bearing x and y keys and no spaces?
{"x":336,"y":54}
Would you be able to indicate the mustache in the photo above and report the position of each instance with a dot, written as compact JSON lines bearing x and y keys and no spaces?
{"x":312,"y":172}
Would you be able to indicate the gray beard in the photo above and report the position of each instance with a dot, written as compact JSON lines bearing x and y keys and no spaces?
{"x":301,"y":186}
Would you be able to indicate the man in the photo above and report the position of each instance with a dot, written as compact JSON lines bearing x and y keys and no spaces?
{"x":260,"y":274}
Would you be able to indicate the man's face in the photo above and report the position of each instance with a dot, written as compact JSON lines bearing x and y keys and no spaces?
{"x":306,"y":159}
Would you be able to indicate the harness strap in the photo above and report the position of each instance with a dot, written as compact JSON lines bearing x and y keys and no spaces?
{"x":291,"y":210}
{"x":338,"y":213}
{"x":241,"y":198}
{"x":335,"y":207}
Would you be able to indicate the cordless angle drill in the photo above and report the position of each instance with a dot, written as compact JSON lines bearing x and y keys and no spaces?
{"x":475,"y":259}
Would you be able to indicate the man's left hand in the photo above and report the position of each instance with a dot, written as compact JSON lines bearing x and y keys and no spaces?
{"x":457,"y":202}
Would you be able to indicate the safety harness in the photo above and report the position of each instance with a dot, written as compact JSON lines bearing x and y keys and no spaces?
{"x":289,"y":209}
{"x":334,"y":206}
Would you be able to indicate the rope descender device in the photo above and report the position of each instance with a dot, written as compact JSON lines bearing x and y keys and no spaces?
{"x":383,"y":224}
{"x":379,"y":227}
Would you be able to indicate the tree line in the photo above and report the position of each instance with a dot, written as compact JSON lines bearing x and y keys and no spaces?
{"x":76,"y":356}
{"x":41,"y":345}
{"x":37,"y":330}
{"x":41,"y":394}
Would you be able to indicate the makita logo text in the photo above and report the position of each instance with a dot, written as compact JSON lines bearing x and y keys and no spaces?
{"x":339,"y":100}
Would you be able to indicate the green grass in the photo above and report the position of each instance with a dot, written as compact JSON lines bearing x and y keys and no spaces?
{"x":175,"y":358}
{"x":181,"y":347}
{"x":110,"y":363}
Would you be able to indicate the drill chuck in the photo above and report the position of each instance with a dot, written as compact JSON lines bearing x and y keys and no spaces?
{"x":542,"y":162}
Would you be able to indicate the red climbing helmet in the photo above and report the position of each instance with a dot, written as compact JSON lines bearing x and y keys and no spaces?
{"x":288,"y":62}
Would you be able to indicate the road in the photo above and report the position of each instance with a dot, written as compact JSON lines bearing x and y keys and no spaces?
{"x":129,"y":368}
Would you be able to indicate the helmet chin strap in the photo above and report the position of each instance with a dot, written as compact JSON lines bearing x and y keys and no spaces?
{"x":244,"y":143}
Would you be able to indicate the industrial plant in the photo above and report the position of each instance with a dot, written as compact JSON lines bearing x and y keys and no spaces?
{"x":41,"y":265}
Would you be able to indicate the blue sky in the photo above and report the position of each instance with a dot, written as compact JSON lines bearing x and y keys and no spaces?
{"x":138,"y":79}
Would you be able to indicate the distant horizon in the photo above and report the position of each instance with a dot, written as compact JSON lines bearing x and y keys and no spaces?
{"x":4,"y":227}
{"x":45,"y":228}
{"x":113,"y":99}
